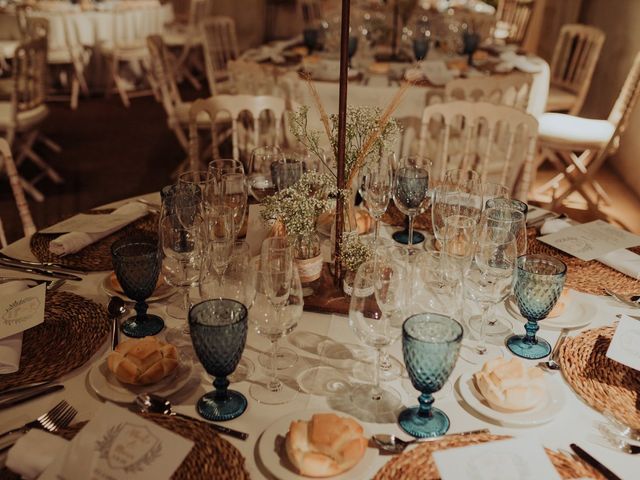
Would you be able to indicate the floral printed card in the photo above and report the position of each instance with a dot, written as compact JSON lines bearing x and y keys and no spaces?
{"x":117,"y":444}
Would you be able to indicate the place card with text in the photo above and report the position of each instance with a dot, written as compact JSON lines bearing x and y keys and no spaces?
{"x":591,"y":240}
{"x":21,"y":310}
{"x":87,"y":223}
{"x":501,"y":460}
{"x":625,"y":344}
{"x":118,"y":444}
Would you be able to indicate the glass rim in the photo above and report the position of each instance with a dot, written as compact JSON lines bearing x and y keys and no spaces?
{"x":125,"y":242}
{"x":490,"y":210}
{"x":458,"y":336}
{"x":241,"y":318}
{"x":522,"y":260}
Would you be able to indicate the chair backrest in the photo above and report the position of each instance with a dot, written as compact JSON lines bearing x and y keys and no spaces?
{"x":252,"y":77}
{"x":29,"y":74}
{"x":625,"y":102}
{"x":574,"y":60}
{"x":496,"y":141}
{"x":220,"y":46}
{"x":512,"y":90}
{"x":164,"y":76}
{"x":233,"y":106}
{"x":516,"y":14}
{"x":18,"y":194}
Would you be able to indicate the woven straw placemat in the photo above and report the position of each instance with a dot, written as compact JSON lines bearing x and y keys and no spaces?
{"x":95,"y":257}
{"x":589,"y":277}
{"x":395,"y":217}
{"x":73,"y":330}
{"x":212,"y":457}
{"x":418,"y":462}
{"x":604,"y":384}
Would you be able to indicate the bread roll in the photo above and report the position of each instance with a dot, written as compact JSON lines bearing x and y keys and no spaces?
{"x":510,"y":385}
{"x":326,"y":445}
{"x":143,"y":361}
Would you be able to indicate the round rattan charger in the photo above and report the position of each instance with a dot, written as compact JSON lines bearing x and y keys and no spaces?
{"x":74,"y":326}
{"x":604,"y":384}
{"x":95,"y":257}
{"x":418,"y":463}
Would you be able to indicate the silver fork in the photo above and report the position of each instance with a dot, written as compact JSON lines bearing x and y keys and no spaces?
{"x":58,"y":417}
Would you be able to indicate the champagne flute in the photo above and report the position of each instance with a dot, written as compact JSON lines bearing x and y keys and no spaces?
{"x":219,"y":244}
{"x":411,"y":190}
{"x":458,"y":240}
{"x":234,"y":196}
{"x":377,"y":186}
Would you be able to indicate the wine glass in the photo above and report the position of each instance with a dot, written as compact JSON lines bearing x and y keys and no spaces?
{"x":510,"y":220}
{"x":215,"y":170}
{"x":490,"y":278}
{"x":539,"y":283}
{"x":430,"y":345}
{"x":219,"y":332}
{"x":508,"y":203}
{"x":219,"y":241}
{"x":136,"y":262}
{"x":234,"y":195}
{"x":182,"y":251}
{"x":492,"y":190}
{"x":352,"y":47}
{"x":286,"y":171}
{"x":310,"y":39}
{"x":234,"y":281}
{"x":411,"y":191}
{"x":377,"y":185}
{"x":261,"y":182}
{"x":458,"y":240}
{"x":374,"y":328}
{"x":420,"y":47}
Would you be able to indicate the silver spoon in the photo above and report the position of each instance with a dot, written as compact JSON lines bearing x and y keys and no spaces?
{"x":551,"y":364}
{"x":393,"y":444}
{"x":116,"y":309}
{"x":630,"y":300}
{"x":151,"y":403}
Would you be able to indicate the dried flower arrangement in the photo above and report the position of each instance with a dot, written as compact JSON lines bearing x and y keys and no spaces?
{"x":354,"y":252}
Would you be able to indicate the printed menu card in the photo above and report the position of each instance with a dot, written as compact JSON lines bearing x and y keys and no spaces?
{"x":117,"y":444}
{"x":591,"y":240}
{"x":625,"y":344}
{"x":518,"y":459}
{"x":21,"y":310}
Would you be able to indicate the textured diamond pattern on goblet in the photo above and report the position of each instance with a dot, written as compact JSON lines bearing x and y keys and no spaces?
{"x":136,"y":262}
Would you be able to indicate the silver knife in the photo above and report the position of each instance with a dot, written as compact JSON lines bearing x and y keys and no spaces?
{"x":23,"y":388}
{"x":49,"y":265}
{"x":218,"y":428}
{"x":30,"y":395}
{"x":39,"y":271}
{"x":608,"y":474}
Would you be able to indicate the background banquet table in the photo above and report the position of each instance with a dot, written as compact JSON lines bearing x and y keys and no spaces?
{"x":340,"y":349}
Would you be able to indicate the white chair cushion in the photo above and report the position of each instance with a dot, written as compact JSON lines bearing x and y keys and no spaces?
{"x":560,"y":99}
{"x":26,"y":120}
{"x":567,"y":131}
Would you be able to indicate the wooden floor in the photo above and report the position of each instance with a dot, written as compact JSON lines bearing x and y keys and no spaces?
{"x":111,"y":152}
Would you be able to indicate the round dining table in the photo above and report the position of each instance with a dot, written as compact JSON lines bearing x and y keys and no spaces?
{"x":324,"y":340}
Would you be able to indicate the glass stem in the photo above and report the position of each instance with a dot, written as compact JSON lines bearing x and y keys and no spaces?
{"x":492,"y":318}
{"x":141,"y":308}
{"x":481,"y":347}
{"x":376,"y":393}
{"x":185,"y":299}
{"x":274,"y":384}
{"x":385,"y":362}
{"x":531,"y":327}
{"x":376,"y":231}
{"x":221,"y":384}
{"x":426,"y":401}
{"x":410,"y":230}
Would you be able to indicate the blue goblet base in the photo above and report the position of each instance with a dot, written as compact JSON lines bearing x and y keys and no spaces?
{"x":403,"y":237}
{"x":219,"y":410}
{"x":531,"y":351}
{"x":424,"y":427}
{"x":142,"y":326}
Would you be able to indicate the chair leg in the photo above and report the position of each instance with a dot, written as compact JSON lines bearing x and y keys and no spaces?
{"x":31,"y":190}
{"x":75,"y":92}
{"x":49,"y":143}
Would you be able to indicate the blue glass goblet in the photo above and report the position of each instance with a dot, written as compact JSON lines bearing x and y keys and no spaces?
{"x":136,"y":262}
{"x":420,"y":48}
{"x":430,"y":344}
{"x":353,"y":47}
{"x":218,"y":330}
{"x":310,"y":39}
{"x":539,"y":283}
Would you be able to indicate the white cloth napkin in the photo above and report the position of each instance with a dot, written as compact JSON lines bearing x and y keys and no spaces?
{"x":34,"y":452}
{"x":622,"y":260}
{"x":436,"y":71}
{"x":511,"y":60}
{"x":11,"y":347}
{"x":272,"y":51}
{"x":75,"y":241}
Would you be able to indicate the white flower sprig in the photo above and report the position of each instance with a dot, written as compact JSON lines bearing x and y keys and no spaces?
{"x":353,"y":252}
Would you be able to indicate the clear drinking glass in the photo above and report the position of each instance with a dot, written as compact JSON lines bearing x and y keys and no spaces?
{"x":411,"y":189}
{"x":235,"y":281}
{"x":376,"y":188}
{"x":218,"y":242}
{"x":234,"y":195}
{"x":490,"y":278}
{"x":377,"y":288}
{"x":508,"y":219}
{"x":260,"y":179}
{"x":215,"y":170}
{"x":458,"y":240}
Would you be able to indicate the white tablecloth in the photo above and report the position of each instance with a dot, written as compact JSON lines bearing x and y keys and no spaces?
{"x":574,"y":424}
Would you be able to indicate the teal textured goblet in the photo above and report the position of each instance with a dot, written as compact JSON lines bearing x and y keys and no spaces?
{"x":218,"y":331}
{"x":539,"y":283}
{"x":430,"y":344}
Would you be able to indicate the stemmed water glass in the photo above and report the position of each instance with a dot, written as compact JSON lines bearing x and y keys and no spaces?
{"x":377,"y":290}
{"x":430,"y":345}
{"x":182,"y":253}
{"x":136,"y":262}
{"x":260,"y":180}
{"x":411,"y":192}
{"x":539,"y":283}
{"x":376,"y":188}
{"x":508,"y":219}
{"x":490,"y":278}
{"x":276,"y":312}
{"x":215,"y":171}
{"x":218,"y":329}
